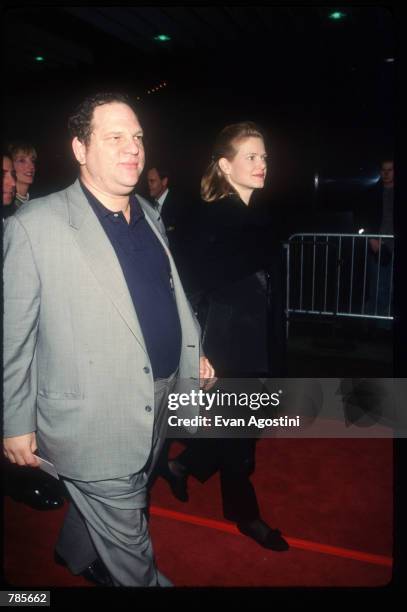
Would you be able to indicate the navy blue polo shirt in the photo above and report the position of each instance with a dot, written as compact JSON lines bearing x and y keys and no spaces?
{"x":147,"y":272}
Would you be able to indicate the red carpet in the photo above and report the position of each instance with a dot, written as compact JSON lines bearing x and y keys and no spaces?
{"x":331,"y":498}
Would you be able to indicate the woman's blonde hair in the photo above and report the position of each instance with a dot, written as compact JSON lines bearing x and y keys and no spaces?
{"x":214,"y":184}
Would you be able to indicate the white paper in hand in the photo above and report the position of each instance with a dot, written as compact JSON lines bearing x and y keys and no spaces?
{"x":48,"y":467}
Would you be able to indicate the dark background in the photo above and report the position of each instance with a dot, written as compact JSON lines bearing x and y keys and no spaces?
{"x":323,"y":90}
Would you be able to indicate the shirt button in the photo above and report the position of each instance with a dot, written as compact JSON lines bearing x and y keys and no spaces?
{"x":148,"y":409}
{"x":116,"y":215}
{"x":146,"y":370}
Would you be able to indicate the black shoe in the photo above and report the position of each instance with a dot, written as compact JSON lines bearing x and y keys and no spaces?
{"x":261,"y":533}
{"x":41,"y":496}
{"x":176,"y":477}
{"x":95,"y":572}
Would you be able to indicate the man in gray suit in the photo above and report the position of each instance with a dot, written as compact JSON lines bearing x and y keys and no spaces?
{"x":98,"y":331}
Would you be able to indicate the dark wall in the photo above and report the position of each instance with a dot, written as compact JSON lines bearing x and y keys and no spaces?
{"x":323,"y":108}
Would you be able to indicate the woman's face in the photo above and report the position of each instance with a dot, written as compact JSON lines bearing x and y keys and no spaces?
{"x":247,"y":170}
{"x":24,"y":165}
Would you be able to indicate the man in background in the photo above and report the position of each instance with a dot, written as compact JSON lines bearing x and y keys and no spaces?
{"x":169,"y":204}
{"x":378,"y":219}
{"x":9,"y":187}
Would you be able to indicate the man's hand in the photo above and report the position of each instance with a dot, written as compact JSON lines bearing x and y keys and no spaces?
{"x":20,"y":450}
{"x":374,"y":244}
{"x":206,"y":374}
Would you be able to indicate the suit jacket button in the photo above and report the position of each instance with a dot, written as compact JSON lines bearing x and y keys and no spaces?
{"x":148,"y":408}
{"x":146,"y":370}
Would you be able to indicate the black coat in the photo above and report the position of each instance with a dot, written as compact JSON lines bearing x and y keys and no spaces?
{"x":232,"y":268}
{"x":370,"y":215}
{"x":174,"y":216}
{"x":173,"y":210}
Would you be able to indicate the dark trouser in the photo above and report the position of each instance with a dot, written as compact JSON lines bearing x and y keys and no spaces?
{"x":235,"y":460}
{"x":380,"y":290}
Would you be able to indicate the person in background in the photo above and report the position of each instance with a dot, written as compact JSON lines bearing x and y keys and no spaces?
{"x":169,"y":204}
{"x":378,"y":219}
{"x":24,"y":158}
{"x":9,"y":187}
{"x":27,"y":485}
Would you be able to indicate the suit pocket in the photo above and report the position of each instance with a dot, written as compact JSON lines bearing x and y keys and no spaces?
{"x":59,"y":366}
{"x":59,"y":379}
{"x":58,"y":395}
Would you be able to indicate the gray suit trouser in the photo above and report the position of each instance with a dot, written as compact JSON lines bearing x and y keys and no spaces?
{"x":107,"y":518}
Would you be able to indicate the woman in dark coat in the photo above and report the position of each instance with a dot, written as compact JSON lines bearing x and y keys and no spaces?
{"x":231,"y":295}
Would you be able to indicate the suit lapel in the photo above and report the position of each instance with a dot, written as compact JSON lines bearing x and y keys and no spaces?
{"x":150,"y":215}
{"x":101,"y":257}
{"x":152,"y":221}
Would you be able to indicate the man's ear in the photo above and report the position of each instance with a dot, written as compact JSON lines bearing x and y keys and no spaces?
{"x":79,"y":150}
{"x":165,"y":182}
{"x":224,"y":165}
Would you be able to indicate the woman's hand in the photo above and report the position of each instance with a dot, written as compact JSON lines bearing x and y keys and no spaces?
{"x":206,"y":374}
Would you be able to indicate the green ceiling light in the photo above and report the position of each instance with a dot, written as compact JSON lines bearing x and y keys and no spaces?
{"x":336,"y":15}
{"x":162,"y":37}
{"x":39,"y":58}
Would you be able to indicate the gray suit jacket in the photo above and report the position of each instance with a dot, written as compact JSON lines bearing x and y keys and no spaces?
{"x":74,"y":352}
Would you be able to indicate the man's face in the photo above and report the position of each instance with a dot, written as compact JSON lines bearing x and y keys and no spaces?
{"x":9,"y":181}
{"x":24,"y":165}
{"x":114,"y":158}
{"x":387,"y":173}
{"x":156,"y":185}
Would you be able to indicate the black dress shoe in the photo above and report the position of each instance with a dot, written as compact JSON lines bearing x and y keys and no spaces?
{"x":261,"y":533}
{"x":95,"y":572}
{"x":40,"y":496}
{"x":177,"y":477}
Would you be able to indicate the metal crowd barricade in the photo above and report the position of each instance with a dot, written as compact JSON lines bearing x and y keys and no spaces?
{"x":339,"y":275}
